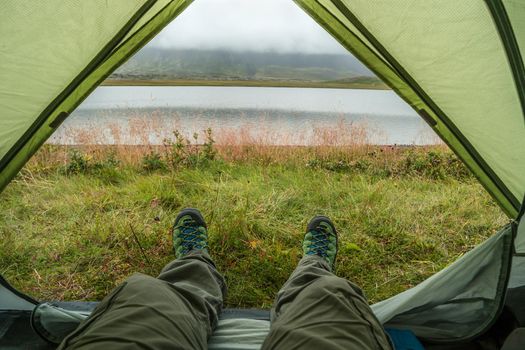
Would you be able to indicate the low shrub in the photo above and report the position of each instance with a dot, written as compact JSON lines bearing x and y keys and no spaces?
{"x":106,"y":168}
{"x":153,"y":161}
{"x":182,"y":152}
{"x":78,"y":163}
{"x":433,"y":164}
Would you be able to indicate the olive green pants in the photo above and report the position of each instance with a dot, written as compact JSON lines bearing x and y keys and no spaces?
{"x":179,"y":310}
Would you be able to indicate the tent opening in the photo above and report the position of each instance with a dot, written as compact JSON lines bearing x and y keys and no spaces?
{"x":458,"y":66}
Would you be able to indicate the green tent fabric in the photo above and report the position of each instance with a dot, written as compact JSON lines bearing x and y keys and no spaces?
{"x":459,"y":64}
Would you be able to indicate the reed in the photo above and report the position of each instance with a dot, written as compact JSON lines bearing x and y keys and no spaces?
{"x":139,"y":137}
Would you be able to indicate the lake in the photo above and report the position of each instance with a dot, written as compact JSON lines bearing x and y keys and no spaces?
{"x":278,"y":116}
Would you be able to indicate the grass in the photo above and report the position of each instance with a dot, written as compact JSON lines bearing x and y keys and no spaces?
{"x":78,"y":220}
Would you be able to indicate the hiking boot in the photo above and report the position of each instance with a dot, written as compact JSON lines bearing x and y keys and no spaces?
{"x":189,"y":233}
{"x":321,"y":239}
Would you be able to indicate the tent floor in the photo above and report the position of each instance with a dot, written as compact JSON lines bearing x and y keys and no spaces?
{"x":16,"y":331}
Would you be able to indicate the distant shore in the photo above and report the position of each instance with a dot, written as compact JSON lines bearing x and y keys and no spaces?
{"x":247,"y":83}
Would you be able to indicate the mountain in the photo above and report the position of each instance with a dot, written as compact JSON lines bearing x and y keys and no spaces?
{"x":172,"y":64}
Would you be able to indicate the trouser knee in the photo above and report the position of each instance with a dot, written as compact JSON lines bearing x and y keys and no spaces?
{"x":332,"y":284}
{"x":139,"y":281}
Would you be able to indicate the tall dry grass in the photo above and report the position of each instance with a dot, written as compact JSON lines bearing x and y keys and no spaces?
{"x":146,"y":134}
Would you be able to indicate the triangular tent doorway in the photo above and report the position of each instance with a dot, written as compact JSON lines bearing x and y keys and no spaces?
{"x":459,"y":64}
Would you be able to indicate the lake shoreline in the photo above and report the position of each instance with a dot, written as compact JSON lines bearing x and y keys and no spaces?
{"x":264,"y":115}
{"x":247,"y":83}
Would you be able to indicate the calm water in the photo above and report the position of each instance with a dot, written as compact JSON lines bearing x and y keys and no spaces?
{"x":137,"y":115}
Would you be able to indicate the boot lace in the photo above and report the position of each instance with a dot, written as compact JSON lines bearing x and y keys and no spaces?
{"x":319,"y":242}
{"x":191,"y":237}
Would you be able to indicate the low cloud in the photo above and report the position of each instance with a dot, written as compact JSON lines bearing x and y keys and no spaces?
{"x":247,"y":25}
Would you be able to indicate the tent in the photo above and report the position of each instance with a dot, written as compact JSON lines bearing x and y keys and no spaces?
{"x":459,"y":64}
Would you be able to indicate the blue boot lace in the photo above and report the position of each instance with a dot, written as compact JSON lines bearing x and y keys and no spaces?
{"x":318,"y":244}
{"x":192,"y":237}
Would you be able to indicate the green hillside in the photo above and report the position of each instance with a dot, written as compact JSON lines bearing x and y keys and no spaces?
{"x":171,"y":65}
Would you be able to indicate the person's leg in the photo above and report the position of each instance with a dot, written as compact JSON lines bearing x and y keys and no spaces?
{"x":177,"y":310}
{"x":316,"y":309}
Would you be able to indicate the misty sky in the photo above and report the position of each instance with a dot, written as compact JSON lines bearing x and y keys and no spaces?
{"x":247,"y":25}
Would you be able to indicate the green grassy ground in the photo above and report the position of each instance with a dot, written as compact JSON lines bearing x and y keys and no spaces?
{"x":75,"y":229}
